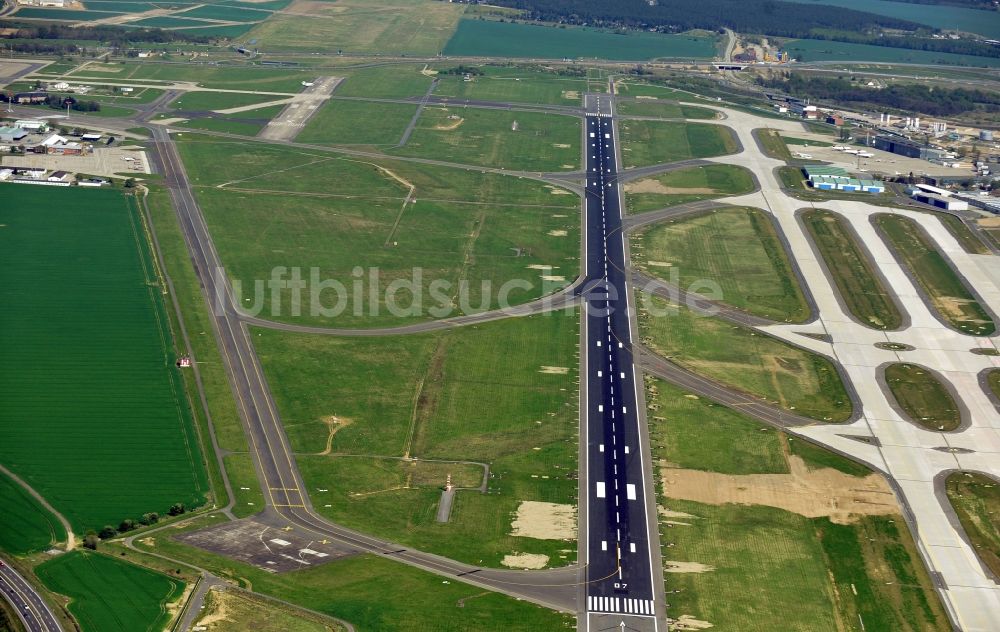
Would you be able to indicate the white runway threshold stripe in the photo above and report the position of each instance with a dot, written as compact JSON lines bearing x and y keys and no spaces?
{"x":643,"y":607}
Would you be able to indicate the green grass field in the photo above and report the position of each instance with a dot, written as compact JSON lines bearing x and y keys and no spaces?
{"x":946,"y":290}
{"x":392,"y":81}
{"x":969,"y":240}
{"x":484,"y":229}
{"x":773,"y":145}
{"x":632,"y":89}
{"x":501,"y":393}
{"x":736,"y":248}
{"x":95,"y":416}
{"x":767,"y":568}
{"x":488,"y":38}
{"x":750,"y":361}
{"x":376,"y":593}
{"x":107,"y":595}
{"x":923,"y":397}
{"x":663,"y":109}
{"x":976,"y":499}
{"x":25,"y":526}
{"x":654,"y":142}
{"x":410,"y":27}
{"x":687,"y":185}
{"x":513,"y":85}
{"x":825,"y":50}
{"x":225,"y":76}
{"x":817,"y":458}
{"x":852,"y":270}
{"x":357,"y":123}
{"x":206,"y":101}
{"x":524,"y":141}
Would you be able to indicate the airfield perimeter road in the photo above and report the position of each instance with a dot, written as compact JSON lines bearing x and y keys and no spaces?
{"x":31,"y":608}
{"x":287,"y":503}
{"x":621,"y":531}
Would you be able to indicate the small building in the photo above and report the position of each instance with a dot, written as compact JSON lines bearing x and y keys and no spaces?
{"x":29,"y":172}
{"x":30,"y":97}
{"x":926,"y":188}
{"x":872,"y":186}
{"x":58,"y":176}
{"x":91,"y":138}
{"x":6,"y":174}
{"x":54,"y":139}
{"x":59,"y":85}
{"x":92,"y":182}
{"x":835,"y":119}
{"x":32,"y":125}
{"x":12,"y":134}
{"x":66,"y":149}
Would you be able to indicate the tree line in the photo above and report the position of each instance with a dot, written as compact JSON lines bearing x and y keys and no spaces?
{"x":910,"y":97}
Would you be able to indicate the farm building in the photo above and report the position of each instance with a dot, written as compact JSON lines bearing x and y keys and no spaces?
{"x":32,"y":125}
{"x":11,"y":134}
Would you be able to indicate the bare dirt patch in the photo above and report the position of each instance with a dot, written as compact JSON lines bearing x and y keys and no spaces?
{"x":544,"y":521}
{"x":989,"y":222}
{"x":561,"y":145}
{"x":334,"y":425}
{"x":525,"y":560}
{"x":687,"y":622}
{"x":453,"y":123}
{"x":554,"y":370}
{"x":811,"y":493}
{"x":570,"y":94}
{"x":652,"y":185}
{"x":673,"y":566}
{"x":557,"y":191}
{"x":558,"y":233}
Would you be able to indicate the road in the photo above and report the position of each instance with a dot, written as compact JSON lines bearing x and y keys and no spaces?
{"x":620,"y":541}
{"x":31,"y":608}
{"x":287,"y":503}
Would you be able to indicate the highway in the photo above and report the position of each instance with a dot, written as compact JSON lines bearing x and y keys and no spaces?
{"x":621,"y":547}
{"x":31,"y":608}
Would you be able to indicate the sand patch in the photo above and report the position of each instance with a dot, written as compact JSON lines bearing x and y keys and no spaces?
{"x":334,"y":425}
{"x":571,"y":94}
{"x":687,"y":622}
{"x":554,"y":370}
{"x":453,"y":123}
{"x":671,"y":566}
{"x":810,"y":493}
{"x":569,"y":166}
{"x":525,"y":560}
{"x":544,"y":521}
{"x":652,"y":185}
{"x":659,"y":264}
{"x":557,"y":191}
{"x":539,"y":266}
{"x":989,"y":222}
{"x":667,"y":513}
{"x":552,"y":277}
{"x":558,"y":233}
{"x":646,"y":96}
{"x":561,"y":145}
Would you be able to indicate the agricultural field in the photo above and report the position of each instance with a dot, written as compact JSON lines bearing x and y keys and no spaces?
{"x":742,"y":358}
{"x":358,"y":123}
{"x":824,"y":50}
{"x":526,"y":141}
{"x":108,"y":595}
{"x":459,"y":225}
{"x":236,"y":611}
{"x":409,"y":27}
{"x":663,"y":109}
{"x":738,"y":249}
{"x":938,"y":16}
{"x":502,"y":393}
{"x":799,"y":552}
{"x":687,"y":185}
{"x":923,"y":398}
{"x":375,"y":593}
{"x":853,"y":272}
{"x":95,"y":415}
{"x":976,"y":499}
{"x":489,"y":38}
{"x":25,"y":526}
{"x":947,"y":292}
{"x":514,"y":85}
{"x":654,"y":142}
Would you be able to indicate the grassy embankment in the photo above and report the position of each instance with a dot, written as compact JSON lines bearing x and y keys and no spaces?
{"x":923,"y":397}
{"x":687,"y":185}
{"x":947,"y":292}
{"x":738,"y":249}
{"x":853,"y":271}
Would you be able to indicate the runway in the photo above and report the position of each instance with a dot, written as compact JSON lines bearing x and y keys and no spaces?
{"x":621,"y":547}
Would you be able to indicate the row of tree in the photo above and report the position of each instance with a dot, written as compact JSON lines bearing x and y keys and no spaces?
{"x":92,"y":538}
{"x":910,"y":97}
{"x":106,"y":33}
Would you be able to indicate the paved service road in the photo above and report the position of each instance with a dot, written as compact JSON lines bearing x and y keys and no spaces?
{"x":620,"y":577}
{"x":31,"y":608}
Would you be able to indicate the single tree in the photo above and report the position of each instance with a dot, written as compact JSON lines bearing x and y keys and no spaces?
{"x":107,"y":532}
{"x":177,"y":509}
{"x":90,"y":540}
{"x":150,"y":518}
{"x":126,"y":525}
